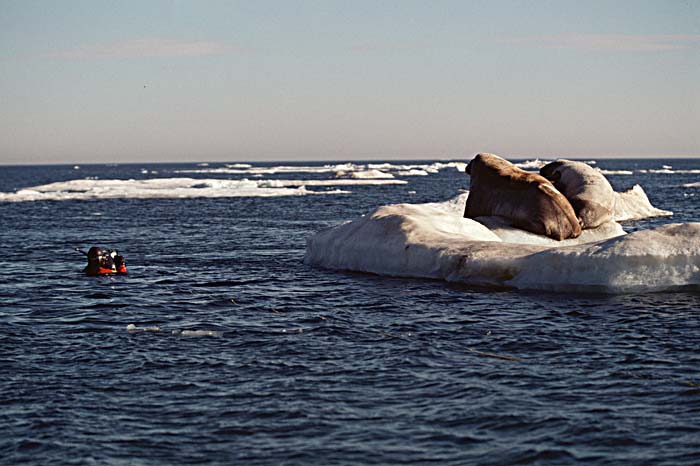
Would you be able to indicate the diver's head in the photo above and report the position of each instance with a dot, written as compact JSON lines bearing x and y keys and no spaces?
{"x":95,"y":253}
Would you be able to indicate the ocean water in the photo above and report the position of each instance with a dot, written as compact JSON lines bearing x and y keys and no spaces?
{"x":241,"y":353}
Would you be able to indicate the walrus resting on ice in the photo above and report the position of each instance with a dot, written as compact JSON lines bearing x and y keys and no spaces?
{"x":588,"y":191}
{"x":528,"y":200}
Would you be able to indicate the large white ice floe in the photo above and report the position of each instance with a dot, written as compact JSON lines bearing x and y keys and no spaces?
{"x":169,"y":188}
{"x":435,"y":241}
{"x":178,"y":188}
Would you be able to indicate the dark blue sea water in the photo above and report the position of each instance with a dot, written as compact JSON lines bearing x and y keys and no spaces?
{"x":316,"y":366}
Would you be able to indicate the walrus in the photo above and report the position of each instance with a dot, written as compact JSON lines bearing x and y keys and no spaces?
{"x":528,"y":200}
{"x":588,"y":191}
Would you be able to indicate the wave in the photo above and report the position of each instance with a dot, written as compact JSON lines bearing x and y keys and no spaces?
{"x":692,"y":185}
{"x":435,"y":241}
{"x":131,"y":328}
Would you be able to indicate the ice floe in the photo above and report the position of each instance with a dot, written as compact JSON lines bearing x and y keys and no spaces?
{"x":371,"y":174}
{"x":372,"y":170}
{"x":615,"y":172}
{"x":435,"y":241}
{"x":197,"y":333}
{"x":175,"y":188}
{"x":135,"y":328}
{"x":532,"y":164}
{"x":634,"y":204}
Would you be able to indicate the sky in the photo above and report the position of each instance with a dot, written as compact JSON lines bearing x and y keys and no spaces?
{"x":134,"y":81}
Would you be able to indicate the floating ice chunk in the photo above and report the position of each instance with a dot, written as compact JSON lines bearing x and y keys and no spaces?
{"x":403,"y":239}
{"x":434,"y":241}
{"x":334,"y":182}
{"x":339,"y":169}
{"x":198,"y":333}
{"x":169,"y":188}
{"x":134,"y":328}
{"x":412,"y":172}
{"x":664,"y":258}
{"x":370,"y":175}
{"x":634,"y":204}
{"x":666,"y":170}
{"x":532,"y":164}
{"x":614,"y":172}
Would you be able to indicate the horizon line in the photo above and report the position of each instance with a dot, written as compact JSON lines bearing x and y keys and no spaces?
{"x":370,"y":160}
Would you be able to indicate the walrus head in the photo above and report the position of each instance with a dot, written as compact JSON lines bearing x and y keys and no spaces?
{"x":550,"y":171}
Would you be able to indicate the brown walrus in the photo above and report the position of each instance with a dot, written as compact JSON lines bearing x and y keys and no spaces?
{"x":528,"y":200}
{"x":588,"y":191}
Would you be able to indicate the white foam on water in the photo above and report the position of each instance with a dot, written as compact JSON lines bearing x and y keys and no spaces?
{"x":171,"y":188}
{"x":692,"y":185}
{"x":434,"y":241}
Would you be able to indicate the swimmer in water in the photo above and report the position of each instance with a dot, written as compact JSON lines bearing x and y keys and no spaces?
{"x":103,"y":262}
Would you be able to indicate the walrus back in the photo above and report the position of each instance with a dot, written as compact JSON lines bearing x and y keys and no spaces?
{"x":528,"y":200}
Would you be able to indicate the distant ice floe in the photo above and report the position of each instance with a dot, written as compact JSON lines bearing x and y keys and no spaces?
{"x":412,"y":172}
{"x":371,"y":174}
{"x":371,"y":170}
{"x":615,"y":172}
{"x":536,"y":164}
{"x":667,"y":170}
{"x":435,"y":241}
{"x":176,"y":188}
{"x":532,"y":164}
{"x":664,"y":170}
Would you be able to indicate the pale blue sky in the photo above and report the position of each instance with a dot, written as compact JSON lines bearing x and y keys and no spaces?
{"x":98,"y":81}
